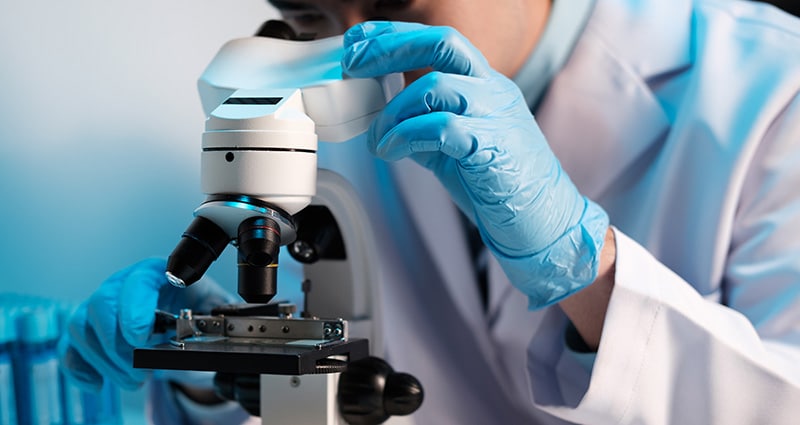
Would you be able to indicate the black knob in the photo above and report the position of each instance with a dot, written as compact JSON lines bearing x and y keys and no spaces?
{"x":370,"y":391}
{"x":402,"y":394}
{"x":244,"y":389}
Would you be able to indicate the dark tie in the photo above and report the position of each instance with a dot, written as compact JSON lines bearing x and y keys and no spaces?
{"x":478,"y":254}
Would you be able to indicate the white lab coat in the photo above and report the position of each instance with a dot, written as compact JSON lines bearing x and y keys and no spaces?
{"x":682,"y":119}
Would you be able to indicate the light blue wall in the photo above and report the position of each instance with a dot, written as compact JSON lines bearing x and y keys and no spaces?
{"x":100,"y":128}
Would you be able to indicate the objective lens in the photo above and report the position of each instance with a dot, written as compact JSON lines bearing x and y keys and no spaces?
{"x":259,"y":243}
{"x":201,"y":244}
{"x":175,"y":280}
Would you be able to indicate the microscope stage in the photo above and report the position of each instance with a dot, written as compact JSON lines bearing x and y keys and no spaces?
{"x":239,"y":355}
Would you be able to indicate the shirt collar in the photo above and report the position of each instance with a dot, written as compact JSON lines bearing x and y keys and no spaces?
{"x":565,"y":23}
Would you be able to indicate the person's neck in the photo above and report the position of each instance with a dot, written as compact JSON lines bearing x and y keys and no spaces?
{"x":537,"y":15}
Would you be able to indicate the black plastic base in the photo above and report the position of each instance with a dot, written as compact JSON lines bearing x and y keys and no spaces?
{"x":247,"y":358}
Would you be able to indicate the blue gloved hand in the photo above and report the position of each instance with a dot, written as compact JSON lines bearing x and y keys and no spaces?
{"x":471,"y":127}
{"x":119,"y":317}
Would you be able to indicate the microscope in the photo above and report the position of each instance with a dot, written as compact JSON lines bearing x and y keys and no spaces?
{"x":269,"y":101}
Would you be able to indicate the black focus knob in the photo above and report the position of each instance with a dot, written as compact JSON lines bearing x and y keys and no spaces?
{"x":242,"y":388}
{"x":370,"y":391}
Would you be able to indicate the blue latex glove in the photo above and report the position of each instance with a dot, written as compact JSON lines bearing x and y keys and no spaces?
{"x":119,"y":317}
{"x":470,"y":125}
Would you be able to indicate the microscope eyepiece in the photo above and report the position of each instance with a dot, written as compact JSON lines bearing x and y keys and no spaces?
{"x":201,"y":244}
{"x":274,"y":28}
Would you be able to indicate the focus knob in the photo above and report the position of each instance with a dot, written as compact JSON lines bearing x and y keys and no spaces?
{"x":370,"y":391}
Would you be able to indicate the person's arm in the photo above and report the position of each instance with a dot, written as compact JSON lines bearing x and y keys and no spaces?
{"x":472,"y":128}
{"x":668,"y":354}
{"x":587,"y":308}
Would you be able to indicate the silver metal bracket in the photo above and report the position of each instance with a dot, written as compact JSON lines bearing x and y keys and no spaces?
{"x":261,"y":330}
{"x":254,"y":344}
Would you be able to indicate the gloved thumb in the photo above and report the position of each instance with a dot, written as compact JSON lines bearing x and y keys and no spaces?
{"x":138,"y":299}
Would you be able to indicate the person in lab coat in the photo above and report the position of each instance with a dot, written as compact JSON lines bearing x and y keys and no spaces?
{"x":631,"y":167}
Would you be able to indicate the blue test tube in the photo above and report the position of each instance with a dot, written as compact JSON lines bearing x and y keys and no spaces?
{"x":8,"y":404}
{"x":36,"y":374}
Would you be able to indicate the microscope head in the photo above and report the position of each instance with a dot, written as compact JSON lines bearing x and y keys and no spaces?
{"x":268,"y":101}
{"x":258,"y":168}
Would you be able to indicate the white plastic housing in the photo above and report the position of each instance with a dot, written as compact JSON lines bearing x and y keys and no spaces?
{"x":307,"y":399}
{"x":266,"y":151}
{"x":341,"y":108}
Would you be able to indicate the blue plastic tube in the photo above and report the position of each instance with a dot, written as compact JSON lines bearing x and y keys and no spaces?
{"x":36,"y":374}
{"x":8,"y":404}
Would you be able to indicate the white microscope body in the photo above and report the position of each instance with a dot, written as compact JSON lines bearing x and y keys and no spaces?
{"x":261,"y":143}
{"x":268,"y":102}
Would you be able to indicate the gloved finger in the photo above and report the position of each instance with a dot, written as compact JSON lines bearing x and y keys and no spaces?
{"x":374,"y":49}
{"x":139,"y":293}
{"x":374,"y":28}
{"x":91,"y":349}
{"x":76,"y":369}
{"x":438,"y":92}
{"x":443,"y":132}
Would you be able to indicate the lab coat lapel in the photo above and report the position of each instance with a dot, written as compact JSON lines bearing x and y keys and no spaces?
{"x":598,"y":120}
{"x":584,"y":133}
{"x":600,"y":113}
{"x":438,"y":223}
{"x":590,"y":135}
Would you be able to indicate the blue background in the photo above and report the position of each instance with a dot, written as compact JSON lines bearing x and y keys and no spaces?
{"x":100,"y":127}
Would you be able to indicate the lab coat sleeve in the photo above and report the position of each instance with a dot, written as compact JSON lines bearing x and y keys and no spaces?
{"x":668,"y":355}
